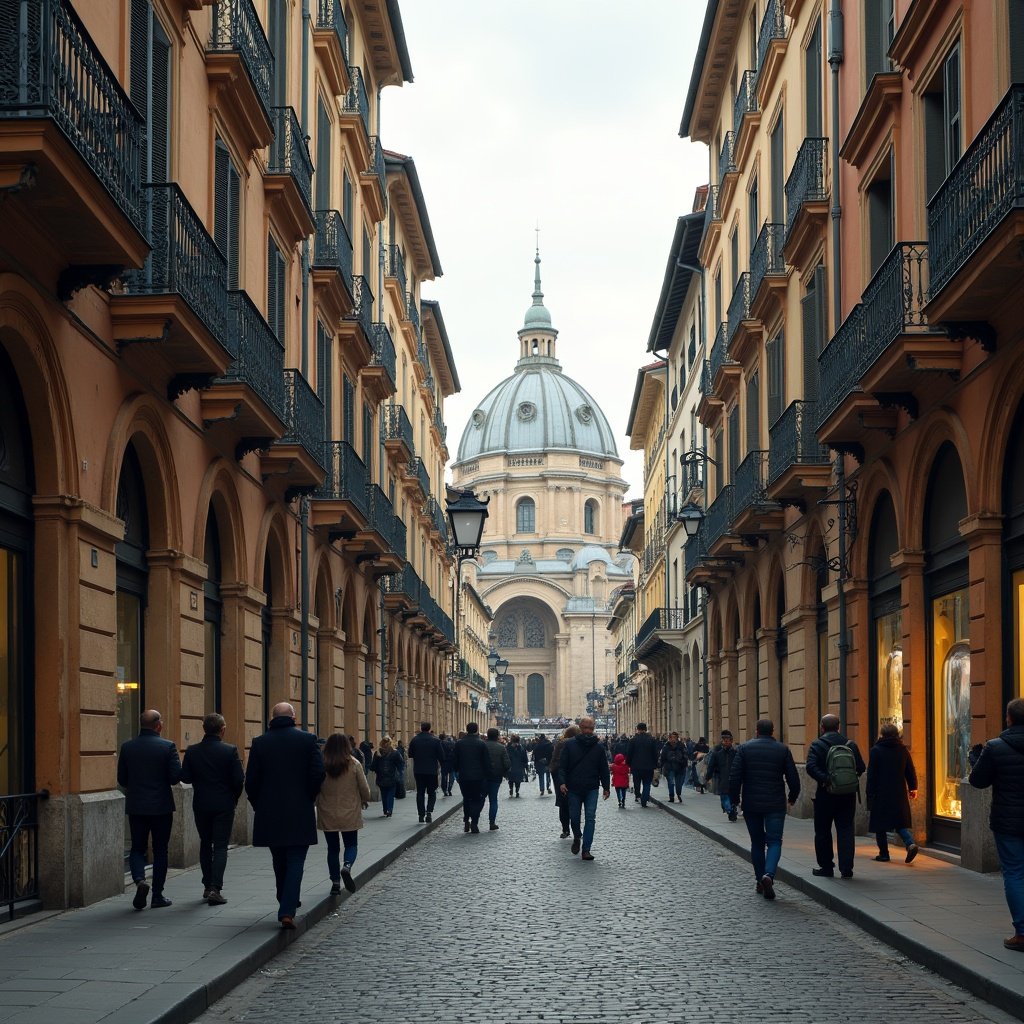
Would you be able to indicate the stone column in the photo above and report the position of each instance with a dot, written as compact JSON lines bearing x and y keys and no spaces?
{"x":729,"y":675}
{"x":354,"y":652}
{"x":770,"y":699}
{"x":747,"y":687}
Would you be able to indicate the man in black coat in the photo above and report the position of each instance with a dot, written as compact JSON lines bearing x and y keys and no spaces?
{"x":1001,"y":766}
{"x":642,"y":758}
{"x":473,"y":766}
{"x":427,"y":758}
{"x":282,"y":781}
{"x":147,"y":767}
{"x":582,"y":770}
{"x":542,"y":751}
{"x":447,"y":765}
{"x":832,"y":808}
{"x":719,"y":769}
{"x":761,"y":771}
{"x":214,"y":770}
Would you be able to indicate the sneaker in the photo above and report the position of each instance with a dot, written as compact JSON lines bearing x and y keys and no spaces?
{"x":215,"y":899}
{"x":912,"y":852}
{"x":141,"y":894}
{"x":824,"y":872}
{"x":429,"y":816}
{"x":768,"y":887}
{"x":586,"y":855}
{"x":576,"y":845}
{"x":336,"y":889}
{"x":159,"y":901}
{"x":346,"y":877}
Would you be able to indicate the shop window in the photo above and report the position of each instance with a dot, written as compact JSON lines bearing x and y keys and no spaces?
{"x":951,"y":699}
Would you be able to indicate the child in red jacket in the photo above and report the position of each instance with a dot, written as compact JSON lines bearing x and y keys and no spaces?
{"x":620,"y":778}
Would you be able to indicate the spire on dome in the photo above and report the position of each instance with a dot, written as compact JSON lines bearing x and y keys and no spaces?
{"x":537,"y":316}
{"x":538,"y":295}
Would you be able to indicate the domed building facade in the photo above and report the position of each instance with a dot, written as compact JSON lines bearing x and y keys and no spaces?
{"x":541,"y":449}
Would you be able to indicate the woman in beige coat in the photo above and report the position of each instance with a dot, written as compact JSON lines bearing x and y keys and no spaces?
{"x":339,"y":809}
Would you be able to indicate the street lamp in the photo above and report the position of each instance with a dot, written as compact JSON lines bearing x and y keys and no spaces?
{"x":492,"y":660}
{"x":691,"y":516}
{"x":466,"y":515}
{"x":500,"y":667}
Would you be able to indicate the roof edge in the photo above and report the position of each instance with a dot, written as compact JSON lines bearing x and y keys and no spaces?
{"x":688,"y":226}
{"x":435,"y":312}
{"x":401,"y":45}
{"x":408,"y":165}
{"x":698,"y":67}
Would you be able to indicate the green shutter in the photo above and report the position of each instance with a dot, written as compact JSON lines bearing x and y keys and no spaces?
{"x":809,"y":344}
{"x":1016,"y":32}
{"x":775,"y":350}
{"x":160,"y":116}
{"x":875,"y":60}
{"x":221,"y":162}
{"x":323,"y":157}
{"x":778,"y":159}
{"x":754,"y":413}
{"x":812,"y":83}
{"x":734,"y":441}
{"x":138,"y":57}
{"x":346,"y":209}
{"x":348,"y":409}
{"x":324,"y":377}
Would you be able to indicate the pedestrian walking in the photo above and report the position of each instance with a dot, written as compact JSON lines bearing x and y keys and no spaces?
{"x":561,"y":802}
{"x":673,"y":766}
{"x":891,"y":785}
{"x":699,"y":753}
{"x":761,"y":772}
{"x":498,"y":769}
{"x":1001,"y":766}
{"x":214,"y":771}
{"x":473,"y":766}
{"x":518,"y":760}
{"x":835,"y":764}
{"x":642,"y":755}
{"x":427,"y":758}
{"x":582,"y":770}
{"x":447,"y":765}
{"x":389,"y":767}
{"x":620,"y":778}
{"x":147,"y":767}
{"x":366,"y":749}
{"x":357,"y":753}
{"x":543,"y":748}
{"x":343,"y":797}
{"x":719,"y":771}
{"x":282,"y":780}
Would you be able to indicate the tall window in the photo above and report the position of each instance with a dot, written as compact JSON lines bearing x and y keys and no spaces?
{"x":942,"y":125}
{"x":367,"y":436}
{"x":734,"y":441}
{"x":814,"y":320}
{"x":226,"y":209}
{"x":753,"y":412}
{"x":212,"y":616}
{"x":753,"y":214}
{"x":535,"y":695}
{"x":348,"y":410}
{"x":812,"y":85}
{"x":526,"y":512}
{"x":325,"y":377}
{"x":879,"y":29}
{"x":323,"y":157}
{"x":150,"y":87}
{"x":275,"y":288}
{"x":590,"y":517}
{"x":774,"y":356}
{"x":718,"y":296}
{"x":881,"y":217}
{"x":734,"y":253}
{"x":346,"y":201}
{"x":778,"y":172}
{"x":277,"y":36}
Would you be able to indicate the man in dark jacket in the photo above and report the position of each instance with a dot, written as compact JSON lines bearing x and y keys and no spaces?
{"x":147,"y":767}
{"x":214,"y":771}
{"x":673,"y":766}
{"x":542,"y":751}
{"x":427,"y":758}
{"x":498,"y":767}
{"x":642,"y":758}
{"x":719,"y":769}
{"x":761,"y":772}
{"x":473,"y":766}
{"x":582,"y":770}
{"x":1001,"y":766}
{"x":447,"y":765}
{"x":285,"y":772}
{"x":366,"y":749}
{"x":832,"y":808}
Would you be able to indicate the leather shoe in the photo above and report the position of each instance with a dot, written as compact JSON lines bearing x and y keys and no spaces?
{"x":576,"y":845}
{"x":564,"y":835}
{"x":158,"y":901}
{"x":141,"y":895}
{"x":768,"y":887}
{"x":1015,"y":942}
{"x":884,"y":860}
{"x":586,"y":855}
{"x":288,"y":924}
{"x":493,"y":827}
{"x":429,"y":816}
{"x":912,"y":852}
{"x":215,"y":899}
{"x":824,"y":872}
{"x":475,"y":829}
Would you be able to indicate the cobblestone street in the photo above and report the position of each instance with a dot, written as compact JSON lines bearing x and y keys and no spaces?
{"x":508,"y":926}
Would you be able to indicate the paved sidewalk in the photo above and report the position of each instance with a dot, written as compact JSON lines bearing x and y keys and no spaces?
{"x":109,"y":963}
{"x":950,"y":920}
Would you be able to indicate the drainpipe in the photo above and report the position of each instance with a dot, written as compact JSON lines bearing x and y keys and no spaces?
{"x":304,"y":366}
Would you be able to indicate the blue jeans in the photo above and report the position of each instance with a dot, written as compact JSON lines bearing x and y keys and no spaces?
{"x":387,"y":798}
{"x":726,"y":803}
{"x":288,"y":864}
{"x":543,"y":779}
{"x":1011,"y":857}
{"x":620,"y":792}
{"x":587,"y":803}
{"x":351,"y":841}
{"x":765,"y":840}
{"x":883,"y":840}
{"x":675,"y":778}
{"x":642,"y":785}
{"x":493,"y":788}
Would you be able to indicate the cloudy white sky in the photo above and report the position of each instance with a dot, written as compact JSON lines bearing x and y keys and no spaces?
{"x":566,"y":113}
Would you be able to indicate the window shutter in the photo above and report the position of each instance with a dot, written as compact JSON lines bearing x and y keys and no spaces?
{"x":880,"y":217}
{"x":160,"y":118}
{"x":951,"y":118}
{"x":323,"y":157}
{"x":221,"y":161}
{"x":719,"y":460}
{"x":324,"y":377}
{"x":278,"y":39}
{"x":812,"y":83}
{"x":275,"y":289}
{"x":348,"y":410}
{"x":718,"y":298}
{"x":367,"y":436}
{"x":778,"y":158}
{"x":1016,"y":31}
{"x":875,"y":60}
{"x":734,"y":253}
{"x":934,"y":143}
{"x":754,"y":413}
{"x":809,"y":324}
{"x":346,"y":211}
{"x":366,"y":259}
{"x":774,"y":351}
{"x":734,"y":441}
{"x":821,"y":293}
{"x":138,"y":83}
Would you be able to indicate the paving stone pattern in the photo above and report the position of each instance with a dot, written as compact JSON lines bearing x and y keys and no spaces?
{"x":455,"y":931}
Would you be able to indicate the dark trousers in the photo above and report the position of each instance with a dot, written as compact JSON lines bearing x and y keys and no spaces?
{"x":447,"y":780}
{"x":426,"y":793}
{"x":837,"y":811}
{"x":562,"y":803}
{"x":473,"y":797}
{"x":642,"y":785}
{"x":214,"y":829}
{"x":288,"y":864}
{"x":351,"y":843}
{"x":143,"y":826}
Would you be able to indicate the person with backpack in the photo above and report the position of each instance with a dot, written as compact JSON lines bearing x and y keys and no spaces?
{"x":835,"y":764}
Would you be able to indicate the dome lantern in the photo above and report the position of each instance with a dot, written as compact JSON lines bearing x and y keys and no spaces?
{"x":537,"y":336}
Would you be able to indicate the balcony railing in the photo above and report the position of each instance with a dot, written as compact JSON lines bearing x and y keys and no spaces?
{"x":237,"y":28}
{"x":413,"y":313}
{"x":746,"y":99}
{"x":329,"y":15}
{"x":377,"y":164}
{"x":984,"y":186}
{"x":773,"y":26}
{"x":362,"y":311}
{"x":438,"y":519}
{"x":332,"y":248}
{"x":419,"y":470}
{"x":739,"y":306}
{"x":840,"y":362}
{"x":381,"y":518}
{"x":396,"y":265}
{"x":439,"y":423}
{"x":397,"y":426}
{"x":303,"y":416}
{"x":405,"y":582}
{"x":712,"y":209}
{"x":384,"y":352}
{"x":750,"y":482}
{"x":184,"y":260}
{"x":356,"y":101}
{"x":660,"y":620}
{"x":719,"y":515}
{"x":717,"y":359}
{"x":895,"y":298}
{"x":766,"y":256}
{"x":695,"y":550}
{"x":725,"y":158}
{"x":793,"y":442}
{"x":808,"y":181}
{"x":19,"y":849}
{"x":288,"y":152}
{"x":50,"y":68}
{"x":259,"y":356}
{"x":346,"y":479}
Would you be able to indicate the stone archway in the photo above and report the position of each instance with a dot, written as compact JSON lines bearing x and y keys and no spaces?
{"x":525,"y":631}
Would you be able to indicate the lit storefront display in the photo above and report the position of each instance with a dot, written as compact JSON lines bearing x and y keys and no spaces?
{"x":889,"y":668}
{"x":951,"y":699}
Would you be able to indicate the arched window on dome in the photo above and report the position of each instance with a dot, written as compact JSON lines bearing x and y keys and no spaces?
{"x":526,"y":516}
{"x":536,"y":347}
{"x":590,"y":517}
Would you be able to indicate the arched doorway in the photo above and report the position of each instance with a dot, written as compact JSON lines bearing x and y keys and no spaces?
{"x":886,"y":664}
{"x":525,"y":630}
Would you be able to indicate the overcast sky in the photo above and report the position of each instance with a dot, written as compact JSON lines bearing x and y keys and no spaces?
{"x":564,"y":112}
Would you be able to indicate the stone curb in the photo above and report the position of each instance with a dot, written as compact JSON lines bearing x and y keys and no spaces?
{"x":940,"y":962}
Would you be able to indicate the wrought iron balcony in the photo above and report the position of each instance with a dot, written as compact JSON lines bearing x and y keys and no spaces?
{"x":895,"y":298}
{"x":184,"y":261}
{"x":51,"y":70}
{"x":793,"y":441}
{"x":773,"y":26}
{"x":332,"y":247}
{"x":739,"y":306}
{"x":746,"y":99}
{"x":438,"y":519}
{"x":440,"y":425}
{"x":289,"y":155}
{"x":413,"y":313}
{"x":259,"y":359}
{"x":428,"y":383}
{"x":395,"y":266}
{"x":406,"y":586}
{"x":660,"y":620}
{"x":356,"y":100}
{"x":382,"y":520}
{"x":695,"y":550}
{"x":237,"y":29}
{"x":766,"y":256}
{"x":398,"y":427}
{"x":303,"y":416}
{"x":384,"y":353}
{"x":376,"y":167}
{"x":719,"y":516}
{"x":839,"y":364}
{"x":347,"y":479}
{"x":362,"y":312}
{"x":331,"y":18}
{"x":712,"y":208}
{"x":706,"y":385}
{"x":418,"y":471}
{"x":750,"y":483}
{"x":982,"y":190}
{"x":718,"y":357}
{"x":726,"y":164}
{"x":808,"y":181}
